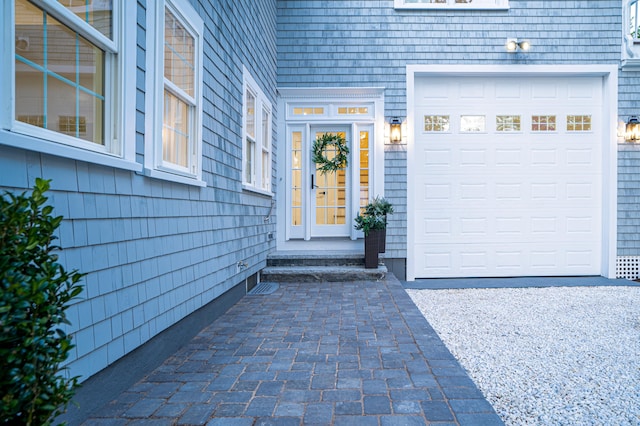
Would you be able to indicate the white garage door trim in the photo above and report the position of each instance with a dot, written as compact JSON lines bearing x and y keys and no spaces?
{"x":608,"y":73}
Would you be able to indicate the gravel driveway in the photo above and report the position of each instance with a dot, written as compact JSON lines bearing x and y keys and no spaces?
{"x":561,"y":356}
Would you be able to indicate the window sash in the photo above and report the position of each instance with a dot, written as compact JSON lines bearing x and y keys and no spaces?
{"x":257,"y":138}
{"x":175,"y":149}
{"x":61,"y":85}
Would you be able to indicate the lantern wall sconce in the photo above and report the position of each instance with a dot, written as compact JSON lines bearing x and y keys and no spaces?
{"x":513,"y":44}
{"x":395,"y":130}
{"x":632,"y":129}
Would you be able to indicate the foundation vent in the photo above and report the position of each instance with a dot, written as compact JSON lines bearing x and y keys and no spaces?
{"x":628,"y":267}
{"x":264,"y":288}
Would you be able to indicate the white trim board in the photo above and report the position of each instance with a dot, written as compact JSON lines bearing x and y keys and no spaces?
{"x":609,"y":74}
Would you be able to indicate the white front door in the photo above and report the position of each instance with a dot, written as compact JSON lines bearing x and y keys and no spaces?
{"x":325,"y":204}
{"x":330,"y":195}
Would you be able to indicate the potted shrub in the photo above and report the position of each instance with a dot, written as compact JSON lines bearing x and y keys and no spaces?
{"x":381,"y":207}
{"x":371,"y":224}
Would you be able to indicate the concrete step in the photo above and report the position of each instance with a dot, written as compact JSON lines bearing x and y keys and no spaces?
{"x":315,"y":259}
{"x":321,"y":273}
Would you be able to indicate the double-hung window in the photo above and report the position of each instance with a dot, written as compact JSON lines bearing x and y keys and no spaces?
{"x":67,"y":88}
{"x":452,"y":4}
{"x":173,"y":149}
{"x":256,"y":149}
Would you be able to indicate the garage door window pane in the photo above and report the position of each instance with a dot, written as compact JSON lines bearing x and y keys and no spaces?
{"x":543,"y":123}
{"x":578,"y":123}
{"x":508,"y":123}
{"x":472,"y":123}
{"x":436,"y":123}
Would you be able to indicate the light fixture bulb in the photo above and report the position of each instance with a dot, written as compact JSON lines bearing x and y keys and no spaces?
{"x":525,"y":45}
{"x":511,"y":45}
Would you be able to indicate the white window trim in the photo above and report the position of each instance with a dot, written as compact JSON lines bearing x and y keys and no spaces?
{"x":250,"y":84}
{"x":630,"y":45}
{"x":120,"y":105}
{"x":499,"y":5}
{"x":153,"y":164}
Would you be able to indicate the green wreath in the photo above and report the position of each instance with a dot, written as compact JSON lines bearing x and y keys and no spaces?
{"x":339,"y":161}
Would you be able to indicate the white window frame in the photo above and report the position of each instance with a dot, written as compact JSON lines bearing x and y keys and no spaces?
{"x":451,"y":4}
{"x":154,"y":165}
{"x":120,"y":89}
{"x":630,"y":44}
{"x":257,"y":183}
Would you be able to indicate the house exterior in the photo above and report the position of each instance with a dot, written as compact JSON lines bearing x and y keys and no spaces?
{"x":177,"y":135}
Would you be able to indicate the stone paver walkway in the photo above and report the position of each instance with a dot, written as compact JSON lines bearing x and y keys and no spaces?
{"x":351,"y":353}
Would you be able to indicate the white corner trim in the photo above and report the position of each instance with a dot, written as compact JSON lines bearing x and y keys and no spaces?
{"x":609,"y":73}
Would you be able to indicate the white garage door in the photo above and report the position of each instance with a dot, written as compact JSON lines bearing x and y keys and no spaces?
{"x":508,"y":176}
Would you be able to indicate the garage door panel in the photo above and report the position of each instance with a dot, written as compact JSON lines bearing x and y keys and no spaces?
{"x":497,"y":192}
{"x":512,"y":185}
{"x":542,"y":158}
{"x":488,"y":260}
{"x":508,"y":228}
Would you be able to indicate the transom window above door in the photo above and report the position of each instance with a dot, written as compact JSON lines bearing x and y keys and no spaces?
{"x":452,"y":4}
{"x":329,"y":110}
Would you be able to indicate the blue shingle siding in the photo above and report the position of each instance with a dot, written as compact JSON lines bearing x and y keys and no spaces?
{"x":155,"y":251}
{"x":628,"y":200}
{"x":369,"y":44}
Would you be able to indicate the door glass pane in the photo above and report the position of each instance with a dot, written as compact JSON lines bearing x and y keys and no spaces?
{"x":331,"y":192}
{"x":296,"y":178}
{"x":364,"y":168}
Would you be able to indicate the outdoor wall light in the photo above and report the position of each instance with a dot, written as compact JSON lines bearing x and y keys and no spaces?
{"x":513,"y":44}
{"x":632,"y":129}
{"x":395,"y":133}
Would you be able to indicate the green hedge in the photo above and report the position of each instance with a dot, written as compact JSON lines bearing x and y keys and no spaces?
{"x":34,"y":294}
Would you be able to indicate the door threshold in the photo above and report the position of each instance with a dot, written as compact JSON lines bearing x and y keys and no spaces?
{"x":342,"y":244}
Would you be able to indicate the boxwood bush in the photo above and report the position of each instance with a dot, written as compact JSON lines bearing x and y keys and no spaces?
{"x":34,"y":294}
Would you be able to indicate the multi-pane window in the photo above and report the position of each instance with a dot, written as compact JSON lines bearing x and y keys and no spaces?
{"x":543,"y":123}
{"x":436,"y":123}
{"x":178,"y":131}
{"x":61,"y":72}
{"x":256,"y":151}
{"x":353,"y":110}
{"x":508,"y":123}
{"x":174,"y":145}
{"x":578,"y":123}
{"x":70,"y":78}
{"x":308,"y":111}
